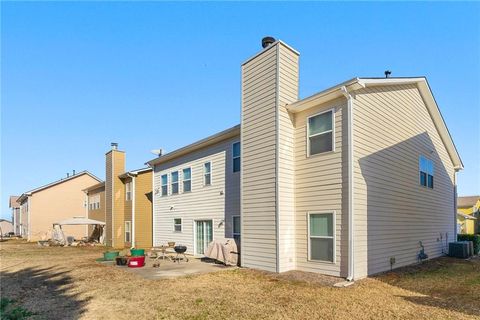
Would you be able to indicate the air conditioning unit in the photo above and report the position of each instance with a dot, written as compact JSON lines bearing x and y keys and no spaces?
{"x":460,"y":249}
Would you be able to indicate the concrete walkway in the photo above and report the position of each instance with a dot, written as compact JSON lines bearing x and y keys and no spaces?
{"x":169,"y":269}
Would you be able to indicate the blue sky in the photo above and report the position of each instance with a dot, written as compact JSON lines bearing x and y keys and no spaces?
{"x":77,"y":76}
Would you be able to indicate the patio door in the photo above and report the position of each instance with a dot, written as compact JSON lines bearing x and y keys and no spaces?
{"x":203,"y":235}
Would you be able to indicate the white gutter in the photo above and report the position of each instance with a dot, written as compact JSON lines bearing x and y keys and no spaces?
{"x":351,"y":221}
{"x":133,"y":211}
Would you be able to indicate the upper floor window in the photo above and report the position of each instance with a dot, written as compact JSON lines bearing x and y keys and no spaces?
{"x":236,"y":156}
{"x":164,"y":185}
{"x":426,"y":169}
{"x":174,"y":182}
{"x":187,"y":180}
{"x":128,"y":191}
{"x":320,"y":133}
{"x":207,"y":173}
{"x":94,"y":202}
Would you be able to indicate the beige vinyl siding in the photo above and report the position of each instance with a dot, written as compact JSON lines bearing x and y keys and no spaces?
{"x":320,"y":183}
{"x":392,"y":128}
{"x":218,"y":202}
{"x":115,"y":198}
{"x":108,"y":197}
{"x":58,"y":202}
{"x":258,"y":127}
{"x":143,"y":210}
{"x":287,"y":93}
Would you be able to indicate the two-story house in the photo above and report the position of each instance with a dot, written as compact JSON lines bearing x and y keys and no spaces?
{"x":350,"y":181}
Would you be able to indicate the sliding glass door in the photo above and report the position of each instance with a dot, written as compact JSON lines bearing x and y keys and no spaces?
{"x":203,"y":235}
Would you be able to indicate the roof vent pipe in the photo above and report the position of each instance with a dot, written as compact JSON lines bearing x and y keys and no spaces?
{"x":68,"y":174}
{"x":387,"y":73}
{"x":114,"y":145}
{"x":73,"y":172}
{"x":267,"y":41}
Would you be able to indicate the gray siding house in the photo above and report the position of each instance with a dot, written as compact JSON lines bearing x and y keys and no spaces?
{"x":344,"y":182}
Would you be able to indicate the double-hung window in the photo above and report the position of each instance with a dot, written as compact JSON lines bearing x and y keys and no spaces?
{"x":236,"y":156}
{"x":128,"y":191}
{"x":426,"y":169}
{"x":128,"y":231}
{"x":320,"y":133}
{"x":174,"y":179}
{"x":321,"y":237}
{"x":187,"y":180}
{"x":207,"y":173}
{"x":177,"y":225}
{"x":164,"y":185}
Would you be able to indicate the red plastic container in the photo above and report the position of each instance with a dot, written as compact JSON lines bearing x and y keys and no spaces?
{"x":136,"y":262}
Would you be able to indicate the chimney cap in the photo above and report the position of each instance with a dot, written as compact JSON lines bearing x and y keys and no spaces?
{"x":114,"y":145}
{"x":267,"y":41}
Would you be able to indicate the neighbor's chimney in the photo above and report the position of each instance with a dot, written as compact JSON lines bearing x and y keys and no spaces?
{"x":269,"y":83}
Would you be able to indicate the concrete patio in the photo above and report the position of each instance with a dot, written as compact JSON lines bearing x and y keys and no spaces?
{"x":169,"y":269}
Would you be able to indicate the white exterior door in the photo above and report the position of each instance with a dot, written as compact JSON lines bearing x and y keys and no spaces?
{"x":203,"y":235}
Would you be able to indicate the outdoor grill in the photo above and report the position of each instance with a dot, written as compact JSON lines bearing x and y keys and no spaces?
{"x":180,"y":250}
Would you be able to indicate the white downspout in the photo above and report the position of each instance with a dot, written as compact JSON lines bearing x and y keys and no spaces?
{"x":133,"y":211}
{"x":86,"y":211}
{"x":351,"y":221}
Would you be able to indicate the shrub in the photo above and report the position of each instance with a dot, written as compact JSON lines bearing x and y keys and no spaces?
{"x":475,"y":238}
{"x":10,"y":311}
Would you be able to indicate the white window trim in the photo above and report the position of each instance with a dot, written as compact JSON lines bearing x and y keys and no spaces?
{"x":334,"y":237}
{"x":240,"y":156}
{"x":233,"y":225}
{"x":183,"y":179}
{"x":171,"y":182}
{"x":162,"y":185}
{"x":128,"y":191}
{"x":181,"y":225}
{"x":333,"y":132}
{"x":211,"y":169}
{"x":129,"y":232}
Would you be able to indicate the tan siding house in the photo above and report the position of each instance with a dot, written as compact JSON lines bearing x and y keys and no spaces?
{"x":349,"y":182}
{"x":128,"y":203}
{"x":15,"y":207}
{"x":63,"y":199}
{"x":95,"y":199}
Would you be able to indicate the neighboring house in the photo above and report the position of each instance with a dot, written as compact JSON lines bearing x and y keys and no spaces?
{"x":197,"y":192}
{"x":5,"y":227}
{"x":62,"y":199}
{"x":95,"y":203}
{"x":128,"y":203}
{"x":468,"y":211}
{"x":15,"y":207}
{"x":338,"y":183}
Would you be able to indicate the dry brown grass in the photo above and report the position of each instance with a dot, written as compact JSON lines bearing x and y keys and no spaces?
{"x":66,"y":283}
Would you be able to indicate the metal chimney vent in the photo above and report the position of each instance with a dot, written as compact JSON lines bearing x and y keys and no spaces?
{"x":114,"y":145}
{"x":267,"y":41}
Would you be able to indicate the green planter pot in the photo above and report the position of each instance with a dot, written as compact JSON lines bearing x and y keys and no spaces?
{"x":137,"y":252}
{"x":110,"y":255}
